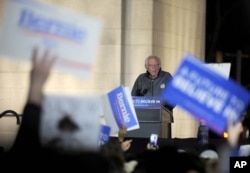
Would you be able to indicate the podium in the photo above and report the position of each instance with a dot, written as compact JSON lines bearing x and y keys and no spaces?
{"x":153,"y":117}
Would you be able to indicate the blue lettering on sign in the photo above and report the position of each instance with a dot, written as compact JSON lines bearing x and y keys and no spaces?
{"x":38,"y":23}
{"x":124,"y":111}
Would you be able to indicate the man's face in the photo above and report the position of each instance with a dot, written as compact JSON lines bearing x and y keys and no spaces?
{"x":153,"y":67}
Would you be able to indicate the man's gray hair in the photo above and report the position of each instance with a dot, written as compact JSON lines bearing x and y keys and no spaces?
{"x":152,"y":56}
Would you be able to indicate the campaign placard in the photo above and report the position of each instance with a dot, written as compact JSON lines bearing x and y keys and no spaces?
{"x":72,"y":36}
{"x":220,"y":68}
{"x":71,"y":122}
{"x":104,"y":134}
{"x":206,"y":95}
{"x":118,"y":109}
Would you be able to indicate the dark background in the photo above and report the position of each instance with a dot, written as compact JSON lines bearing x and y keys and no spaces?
{"x":228,"y":31}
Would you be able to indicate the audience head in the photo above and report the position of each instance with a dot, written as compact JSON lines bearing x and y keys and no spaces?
{"x":169,"y":158}
{"x":114,"y":153}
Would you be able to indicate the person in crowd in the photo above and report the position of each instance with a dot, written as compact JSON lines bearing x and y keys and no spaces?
{"x":246,"y":124}
{"x":153,"y":81}
{"x":125,"y":144}
{"x":231,"y":147}
{"x":219,"y":162}
{"x":113,"y":151}
{"x":27,"y":138}
{"x":152,"y":147}
{"x":27,"y":152}
{"x":187,"y":161}
{"x":168,"y":158}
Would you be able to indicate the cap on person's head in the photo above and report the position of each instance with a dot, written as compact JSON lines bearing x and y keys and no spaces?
{"x":209,"y":154}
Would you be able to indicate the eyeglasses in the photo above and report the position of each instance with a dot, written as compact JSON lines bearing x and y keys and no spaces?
{"x":153,"y":65}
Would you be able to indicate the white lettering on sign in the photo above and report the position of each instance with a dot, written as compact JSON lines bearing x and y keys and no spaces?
{"x":125,"y":114}
{"x":206,"y":92}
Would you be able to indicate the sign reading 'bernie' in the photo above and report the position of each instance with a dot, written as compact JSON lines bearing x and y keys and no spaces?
{"x":72,"y":36}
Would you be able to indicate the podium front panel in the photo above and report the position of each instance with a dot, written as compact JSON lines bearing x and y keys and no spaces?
{"x":148,"y":115}
{"x":146,"y":128}
{"x":152,"y":117}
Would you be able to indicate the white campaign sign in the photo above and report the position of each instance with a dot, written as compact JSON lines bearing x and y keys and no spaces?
{"x":72,"y":36}
{"x":221,"y":68}
{"x":71,"y":122}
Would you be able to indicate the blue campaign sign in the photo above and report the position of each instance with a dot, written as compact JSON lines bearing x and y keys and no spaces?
{"x":206,"y":94}
{"x":105,"y":133}
{"x":121,"y":108}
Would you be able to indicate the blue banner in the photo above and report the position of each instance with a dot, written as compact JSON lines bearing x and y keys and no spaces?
{"x":147,"y":102}
{"x":206,"y":95}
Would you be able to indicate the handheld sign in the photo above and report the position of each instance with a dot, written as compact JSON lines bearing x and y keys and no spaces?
{"x":71,"y":122}
{"x":118,"y":109}
{"x":206,"y":95}
{"x":72,"y":36}
{"x":104,"y":134}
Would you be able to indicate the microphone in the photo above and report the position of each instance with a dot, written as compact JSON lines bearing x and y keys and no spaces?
{"x":144,"y":91}
{"x":138,"y":92}
{"x":141,"y":93}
